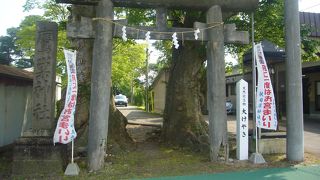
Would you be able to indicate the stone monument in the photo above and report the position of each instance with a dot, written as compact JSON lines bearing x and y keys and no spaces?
{"x":34,"y":153}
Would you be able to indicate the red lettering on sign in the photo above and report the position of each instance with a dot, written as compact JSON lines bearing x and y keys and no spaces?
{"x":64,"y":124}
{"x":268,"y":99}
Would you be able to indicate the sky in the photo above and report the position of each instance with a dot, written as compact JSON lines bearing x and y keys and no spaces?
{"x":11,"y":12}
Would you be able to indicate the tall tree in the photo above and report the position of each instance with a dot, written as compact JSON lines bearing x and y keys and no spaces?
{"x":25,"y":42}
{"x":9,"y":52}
{"x":27,"y":28}
{"x":183,"y":123}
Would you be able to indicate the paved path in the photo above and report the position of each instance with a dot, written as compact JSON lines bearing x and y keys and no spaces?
{"x":312,"y":137}
{"x":137,"y":116}
{"x":311,"y":127}
{"x":290,"y":173}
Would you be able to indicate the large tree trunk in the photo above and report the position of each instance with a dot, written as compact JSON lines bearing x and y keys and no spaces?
{"x":183,"y":123}
{"x":118,"y":138}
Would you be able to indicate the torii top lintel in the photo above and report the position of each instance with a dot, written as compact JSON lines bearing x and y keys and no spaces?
{"x":226,"y":5}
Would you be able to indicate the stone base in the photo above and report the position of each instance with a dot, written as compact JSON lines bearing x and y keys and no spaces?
{"x":257,"y":158}
{"x":72,"y":170}
{"x":270,"y":143}
{"x":38,"y":157}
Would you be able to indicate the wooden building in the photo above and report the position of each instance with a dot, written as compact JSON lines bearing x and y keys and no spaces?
{"x":15,"y":103}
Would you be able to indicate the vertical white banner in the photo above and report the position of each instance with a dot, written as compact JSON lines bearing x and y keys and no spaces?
{"x":65,"y":131}
{"x":266,"y":115}
{"x":242,"y":120}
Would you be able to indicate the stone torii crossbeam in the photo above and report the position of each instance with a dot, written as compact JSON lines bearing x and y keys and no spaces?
{"x":103,"y":31}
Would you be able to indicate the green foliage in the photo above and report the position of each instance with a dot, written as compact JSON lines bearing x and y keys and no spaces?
{"x":10,"y":52}
{"x":135,"y":16}
{"x":310,"y":47}
{"x":6,"y":48}
{"x":127,"y":65}
{"x":52,"y":10}
{"x":229,"y":67}
{"x":165,"y":58}
{"x":27,"y":34}
{"x":31,"y":4}
{"x":24,"y":37}
{"x":56,"y":12}
{"x":177,"y":19}
{"x":139,"y":96}
{"x":269,"y":25}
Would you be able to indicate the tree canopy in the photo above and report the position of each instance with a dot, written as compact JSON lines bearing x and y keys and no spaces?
{"x":8,"y":49}
{"x":269,"y":25}
{"x":18,"y":47}
{"x":127,"y":65}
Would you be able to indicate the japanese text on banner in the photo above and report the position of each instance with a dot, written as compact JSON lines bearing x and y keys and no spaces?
{"x":65,"y":131}
{"x":266,"y":116}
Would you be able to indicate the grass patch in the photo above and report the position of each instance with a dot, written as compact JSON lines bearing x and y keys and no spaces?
{"x":5,"y":161}
{"x":155,"y":161}
{"x":151,"y":160}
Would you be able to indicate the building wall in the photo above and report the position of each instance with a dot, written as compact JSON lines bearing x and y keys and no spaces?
{"x":313,"y":79}
{"x":159,"y":92}
{"x":15,"y":111}
{"x":279,"y":83}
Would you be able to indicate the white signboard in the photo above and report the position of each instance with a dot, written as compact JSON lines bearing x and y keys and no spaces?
{"x":65,"y":131}
{"x":266,"y":115}
{"x":242,"y":120}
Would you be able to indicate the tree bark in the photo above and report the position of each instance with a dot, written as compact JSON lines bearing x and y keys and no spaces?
{"x":84,"y":49}
{"x":118,"y":138}
{"x":183,"y":122}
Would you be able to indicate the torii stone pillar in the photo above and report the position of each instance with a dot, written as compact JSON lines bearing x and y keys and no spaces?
{"x":295,"y":141}
{"x":216,"y":83}
{"x":100,"y":86}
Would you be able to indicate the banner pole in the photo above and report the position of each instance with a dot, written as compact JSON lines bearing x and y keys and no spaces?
{"x":72,"y":168}
{"x":256,"y":140}
{"x":72,"y":150}
{"x":254,"y":83}
{"x":256,"y":158}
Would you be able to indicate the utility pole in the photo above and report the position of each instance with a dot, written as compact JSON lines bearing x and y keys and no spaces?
{"x":132,"y":93}
{"x":147,"y":82}
{"x":295,"y":142}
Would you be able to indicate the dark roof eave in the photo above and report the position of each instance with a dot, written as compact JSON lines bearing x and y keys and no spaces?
{"x":274,"y":56}
{"x":17,"y":77}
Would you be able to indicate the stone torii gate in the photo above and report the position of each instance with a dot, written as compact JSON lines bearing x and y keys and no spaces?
{"x":103,"y":31}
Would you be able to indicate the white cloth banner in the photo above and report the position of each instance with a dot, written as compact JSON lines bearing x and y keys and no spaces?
{"x":65,"y":131}
{"x":266,"y":115}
